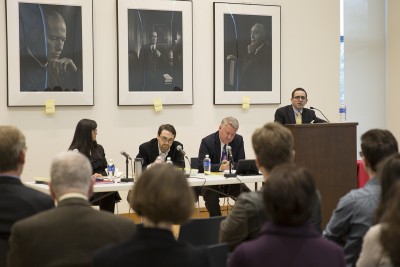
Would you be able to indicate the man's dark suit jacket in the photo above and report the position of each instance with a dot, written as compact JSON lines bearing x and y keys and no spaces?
{"x":151,"y":247}
{"x":17,"y":202}
{"x":285,"y":115}
{"x":154,"y":67}
{"x":211,"y":145}
{"x":66,"y":235}
{"x":149,"y":152}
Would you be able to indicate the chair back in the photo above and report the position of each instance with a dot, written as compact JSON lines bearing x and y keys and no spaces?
{"x":218,"y":255}
{"x":201,"y":231}
{"x":3,"y":251}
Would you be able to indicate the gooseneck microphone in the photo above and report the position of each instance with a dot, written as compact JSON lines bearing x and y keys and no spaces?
{"x":126,"y":155}
{"x":230,"y":159}
{"x":180,"y":149}
{"x":229,"y":149}
{"x":321,"y":113}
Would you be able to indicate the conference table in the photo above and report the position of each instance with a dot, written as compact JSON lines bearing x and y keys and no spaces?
{"x":199,"y":179}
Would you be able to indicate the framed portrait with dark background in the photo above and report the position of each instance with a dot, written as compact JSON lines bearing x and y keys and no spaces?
{"x":50,"y":52}
{"x":246,"y":53}
{"x":154,"y":52}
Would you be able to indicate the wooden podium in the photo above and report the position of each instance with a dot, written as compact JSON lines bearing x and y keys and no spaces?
{"x":328,"y":150}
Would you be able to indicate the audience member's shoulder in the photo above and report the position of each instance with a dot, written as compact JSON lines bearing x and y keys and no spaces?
{"x":31,"y":195}
{"x":114,"y":218}
{"x":253,"y":196}
{"x":363,"y":192}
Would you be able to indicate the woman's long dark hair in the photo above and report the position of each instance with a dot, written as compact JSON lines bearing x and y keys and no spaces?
{"x":83,"y":140}
{"x":388,"y":174}
{"x":390,"y":234}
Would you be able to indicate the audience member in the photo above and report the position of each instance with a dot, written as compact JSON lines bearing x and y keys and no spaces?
{"x":16,"y":200}
{"x":215,"y":145}
{"x":70,"y":233}
{"x":85,"y":142}
{"x":273,"y":145}
{"x":163,"y":146}
{"x":162,"y":197}
{"x":288,"y":240}
{"x":354,"y":213}
{"x":296,"y":113}
{"x":381,"y":244}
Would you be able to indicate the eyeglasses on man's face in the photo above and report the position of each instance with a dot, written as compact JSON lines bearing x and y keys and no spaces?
{"x":166,"y":140}
{"x":300,"y":97}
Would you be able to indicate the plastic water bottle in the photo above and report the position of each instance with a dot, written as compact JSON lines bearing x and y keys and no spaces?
{"x":207,"y":165}
{"x":169,"y":161}
{"x":110,"y":167}
{"x":342,"y":113}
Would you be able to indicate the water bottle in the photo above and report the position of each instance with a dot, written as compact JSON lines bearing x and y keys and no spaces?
{"x":342,"y":113}
{"x":110,"y":167}
{"x":169,"y":161}
{"x":207,"y":165}
{"x":159,"y":160}
{"x":138,"y":167}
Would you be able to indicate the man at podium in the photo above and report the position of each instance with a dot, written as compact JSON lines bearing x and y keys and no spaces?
{"x":296,"y":113}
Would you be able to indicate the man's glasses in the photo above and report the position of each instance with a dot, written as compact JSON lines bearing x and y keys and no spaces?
{"x":166,"y":140}
{"x":361,"y":154}
{"x":299,"y":97}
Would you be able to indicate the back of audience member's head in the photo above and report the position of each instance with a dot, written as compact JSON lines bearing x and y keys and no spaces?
{"x":289,"y":194}
{"x":390,"y":234}
{"x":70,"y":172}
{"x":162,"y":194}
{"x":389,"y":174}
{"x":273,"y":145}
{"x":12,"y":143}
{"x":376,"y":145}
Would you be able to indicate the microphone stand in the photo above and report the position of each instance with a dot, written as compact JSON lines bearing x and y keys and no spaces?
{"x":126,"y":179}
{"x":230,"y":174}
{"x":187,"y":175}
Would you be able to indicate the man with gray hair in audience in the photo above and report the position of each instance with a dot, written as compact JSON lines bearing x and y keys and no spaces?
{"x":16,"y":200}
{"x":70,"y":233}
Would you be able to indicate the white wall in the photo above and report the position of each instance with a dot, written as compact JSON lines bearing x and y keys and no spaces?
{"x":393,"y":67}
{"x":309,"y":58}
{"x":365,"y":63}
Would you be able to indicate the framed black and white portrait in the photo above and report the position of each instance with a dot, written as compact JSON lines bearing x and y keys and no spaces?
{"x":247,"y":54}
{"x":155,"y":52}
{"x":49,"y":52}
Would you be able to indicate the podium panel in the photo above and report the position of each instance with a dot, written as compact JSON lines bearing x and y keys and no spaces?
{"x":329,"y":151}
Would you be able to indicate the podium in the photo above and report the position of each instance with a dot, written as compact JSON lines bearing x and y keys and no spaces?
{"x":329,"y":151}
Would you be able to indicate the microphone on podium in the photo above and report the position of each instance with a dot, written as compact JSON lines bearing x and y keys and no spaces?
{"x":321,"y":113}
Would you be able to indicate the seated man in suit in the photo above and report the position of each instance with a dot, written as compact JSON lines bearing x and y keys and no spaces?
{"x":296,"y":113}
{"x":163,"y":146}
{"x":16,"y":200}
{"x":68,"y":234}
{"x":215,"y":145}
